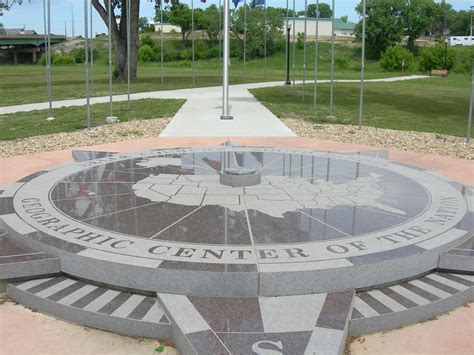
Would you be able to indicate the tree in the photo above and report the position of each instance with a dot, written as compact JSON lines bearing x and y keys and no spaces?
{"x":256,"y":29}
{"x":209,"y":22}
{"x":345,"y":19}
{"x":461,"y":24}
{"x":384,"y":25}
{"x":417,"y":17}
{"x":181,"y":15}
{"x":119,"y":34}
{"x":324,"y":10}
{"x":2,"y":29}
{"x":142,"y":23}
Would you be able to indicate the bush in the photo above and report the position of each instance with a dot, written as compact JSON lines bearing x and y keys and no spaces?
{"x":434,"y":58}
{"x":42,"y":60}
{"x":80,"y":56}
{"x":63,"y":59}
{"x":147,"y":40}
{"x":465,"y":57}
{"x":396,"y":59}
{"x":343,"y":62}
{"x":145,"y":53}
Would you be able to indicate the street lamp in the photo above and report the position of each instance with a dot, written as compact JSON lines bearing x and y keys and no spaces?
{"x":288,"y":31}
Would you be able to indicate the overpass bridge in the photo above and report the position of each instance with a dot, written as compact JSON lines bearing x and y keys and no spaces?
{"x":23,"y":43}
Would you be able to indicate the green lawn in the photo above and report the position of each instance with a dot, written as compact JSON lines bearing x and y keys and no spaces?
{"x":427,"y":105}
{"x":33,"y":123}
{"x":23,"y":84}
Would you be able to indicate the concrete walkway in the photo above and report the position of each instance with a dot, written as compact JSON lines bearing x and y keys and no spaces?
{"x":199,"y":116}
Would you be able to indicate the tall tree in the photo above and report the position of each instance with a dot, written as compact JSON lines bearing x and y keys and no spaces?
{"x":118,"y":32}
{"x":417,"y":16}
{"x":324,"y":10}
{"x":209,"y":22}
{"x":384,"y":25}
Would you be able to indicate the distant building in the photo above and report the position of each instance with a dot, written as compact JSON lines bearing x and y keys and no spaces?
{"x":19,"y":31}
{"x":167,"y":27}
{"x":341,"y":29}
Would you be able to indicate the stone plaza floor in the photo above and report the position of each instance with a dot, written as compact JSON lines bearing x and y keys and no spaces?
{"x":332,"y":240}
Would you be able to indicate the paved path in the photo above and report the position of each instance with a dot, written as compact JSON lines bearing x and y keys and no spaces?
{"x":199,"y":116}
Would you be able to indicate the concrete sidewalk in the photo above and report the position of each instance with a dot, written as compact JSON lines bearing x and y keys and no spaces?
{"x":200,"y":115}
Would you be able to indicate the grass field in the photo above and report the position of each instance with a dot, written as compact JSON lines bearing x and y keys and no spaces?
{"x":426,"y":105}
{"x":23,"y":84}
{"x":27,"y":124}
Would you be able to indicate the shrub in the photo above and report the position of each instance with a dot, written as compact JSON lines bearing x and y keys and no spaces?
{"x":147,"y":40}
{"x":300,"y":40}
{"x":145,"y":53}
{"x":396,"y":59}
{"x":465,"y":58}
{"x":343,"y":62}
{"x":80,"y":56}
{"x":434,"y":58}
{"x":63,"y":59}
{"x":42,"y":60}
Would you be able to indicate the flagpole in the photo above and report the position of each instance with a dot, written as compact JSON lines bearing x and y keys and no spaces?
{"x":362,"y":66}
{"x":161,"y":42}
{"x":294,"y":42}
{"x":220,"y":37}
{"x":192,"y":39}
{"x":128,"y":54}
{"x":287,"y":40}
{"x":265,"y":39}
{"x":48,"y":57}
{"x":304,"y":50}
{"x":225,"y":75}
{"x":245,"y":38}
{"x":316,"y":54}
{"x":331,"y":94}
{"x":471,"y":103}
{"x":92,"y":48}
{"x":111,"y":118}
{"x":86,"y":64}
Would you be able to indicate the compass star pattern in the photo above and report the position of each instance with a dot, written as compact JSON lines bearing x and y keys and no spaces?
{"x":275,"y":196}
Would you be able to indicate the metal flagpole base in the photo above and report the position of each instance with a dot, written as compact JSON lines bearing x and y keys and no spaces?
{"x":226,"y":117}
{"x":50,"y":119}
{"x":111,"y":119}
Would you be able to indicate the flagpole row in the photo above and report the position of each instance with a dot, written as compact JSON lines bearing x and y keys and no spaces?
{"x":362,"y":65}
{"x":245,"y":38}
{"x":111,"y":118}
{"x":91,"y":47}
{"x":287,"y":40}
{"x":48,"y":57}
{"x":86,"y":64}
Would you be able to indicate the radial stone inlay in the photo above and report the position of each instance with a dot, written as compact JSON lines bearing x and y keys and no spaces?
{"x":142,"y":220}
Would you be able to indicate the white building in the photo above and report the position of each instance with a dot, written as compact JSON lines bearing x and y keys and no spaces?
{"x":341,"y":29}
{"x":167,"y":28}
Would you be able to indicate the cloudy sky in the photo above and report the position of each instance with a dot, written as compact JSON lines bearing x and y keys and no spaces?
{"x":30,"y":14}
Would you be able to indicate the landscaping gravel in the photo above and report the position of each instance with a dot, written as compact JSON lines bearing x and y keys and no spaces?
{"x":97,"y":135}
{"x":404,"y":140}
{"x":429,"y":143}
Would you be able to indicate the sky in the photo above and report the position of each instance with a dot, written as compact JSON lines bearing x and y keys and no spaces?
{"x":30,"y":14}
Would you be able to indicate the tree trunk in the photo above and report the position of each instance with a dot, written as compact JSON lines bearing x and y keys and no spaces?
{"x":119,"y":35}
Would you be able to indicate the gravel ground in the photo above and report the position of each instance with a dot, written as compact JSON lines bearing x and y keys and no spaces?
{"x":414,"y":141}
{"x":429,"y":143}
{"x":97,"y":135}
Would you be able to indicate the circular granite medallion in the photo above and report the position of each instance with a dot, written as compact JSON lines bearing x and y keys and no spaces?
{"x":309,"y":221}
